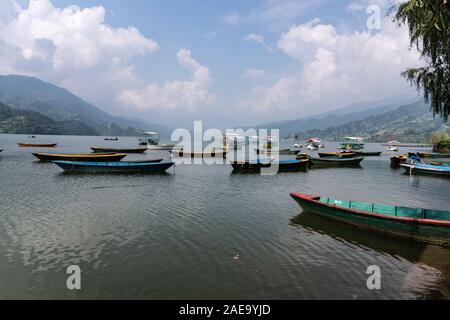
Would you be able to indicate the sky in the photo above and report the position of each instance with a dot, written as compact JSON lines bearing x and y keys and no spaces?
{"x":227,"y":62}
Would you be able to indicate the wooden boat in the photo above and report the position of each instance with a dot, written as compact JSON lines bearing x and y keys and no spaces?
{"x":365,"y":153}
{"x":430,"y":169}
{"x":119,"y":150}
{"x":335,"y":162}
{"x":398,"y":160}
{"x":283,"y":165}
{"x":1,"y":150}
{"x":37,"y":145}
{"x":429,"y":155}
{"x":86,"y":157}
{"x":424,"y":225}
{"x":112,"y":139}
{"x":115,"y":167}
{"x":340,"y":155}
{"x":216,"y":153}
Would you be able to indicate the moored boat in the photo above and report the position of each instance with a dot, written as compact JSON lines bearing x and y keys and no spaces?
{"x":115,"y":167}
{"x":424,"y":225}
{"x":215,"y":153}
{"x":37,"y":145}
{"x":112,"y":139}
{"x":434,"y":155}
{"x":366,"y":153}
{"x":119,"y":150}
{"x":85,"y":157}
{"x":398,"y":160}
{"x":336,"y":162}
{"x":340,"y":155}
{"x":429,"y":169}
{"x":281,"y":165}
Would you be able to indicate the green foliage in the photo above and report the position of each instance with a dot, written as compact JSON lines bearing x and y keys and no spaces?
{"x":440,"y":141}
{"x":429,"y":27}
{"x":30,"y":122}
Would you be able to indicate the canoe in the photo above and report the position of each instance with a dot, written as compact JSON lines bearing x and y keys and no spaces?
{"x":37,"y":145}
{"x":339,"y":155}
{"x":398,"y":160}
{"x":200,"y":154}
{"x":423,"y":225}
{"x":283,"y":165}
{"x":419,"y":168}
{"x":115,"y":167}
{"x":86,"y":157}
{"x":117,"y":150}
{"x":351,"y":162}
{"x":429,"y":155}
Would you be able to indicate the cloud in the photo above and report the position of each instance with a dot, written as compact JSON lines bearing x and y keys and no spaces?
{"x":336,"y":69}
{"x":190,"y":95}
{"x":72,"y":47}
{"x":274,"y":13}
{"x":254,"y":73}
{"x":232,"y":19}
{"x":253,"y":37}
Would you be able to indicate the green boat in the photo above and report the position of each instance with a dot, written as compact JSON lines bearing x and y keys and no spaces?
{"x":423,"y":225}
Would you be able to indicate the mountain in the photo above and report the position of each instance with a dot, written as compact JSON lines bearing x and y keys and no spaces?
{"x":337,"y":117}
{"x":408,"y":123}
{"x":28,"y":93}
{"x":23,"y":122}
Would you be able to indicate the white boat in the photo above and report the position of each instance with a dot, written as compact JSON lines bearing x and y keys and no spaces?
{"x":149,"y":138}
{"x":393,"y":149}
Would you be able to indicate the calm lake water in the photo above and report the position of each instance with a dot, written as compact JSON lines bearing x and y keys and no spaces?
{"x":201,"y":232}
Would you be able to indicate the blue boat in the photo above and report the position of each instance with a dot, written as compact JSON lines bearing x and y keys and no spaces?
{"x":431,"y":169}
{"x":112,"y":167}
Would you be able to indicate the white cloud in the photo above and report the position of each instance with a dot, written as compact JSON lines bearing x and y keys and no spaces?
{"x":254,"y":73}
{"x":253,"y":37}
{"x":273,"y":13}
{"x":336,"y":69}
{"x":72,"y":47}
{"x":190,"y":95}
{"x":232,"y":19}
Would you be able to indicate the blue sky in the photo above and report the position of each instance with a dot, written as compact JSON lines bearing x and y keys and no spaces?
{"x":226,"y":62}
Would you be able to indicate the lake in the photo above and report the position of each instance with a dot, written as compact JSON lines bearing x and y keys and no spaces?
{"x":201,"y":232}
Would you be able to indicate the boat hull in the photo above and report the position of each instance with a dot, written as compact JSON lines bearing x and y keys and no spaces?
{"x":114,"y":167}
{"x":337,"y":155}
{"x":426,"y":231}
{"x":37,"y":145}
{"x":442,"y":171}
{"x":105,"y":157}
{"x":335,"y":162}
{"x":212,"y":154}
{"x":117,"y":150}
{"x":429,"y":155}
{"x":368,"y":153}
{"x":283,"y":166}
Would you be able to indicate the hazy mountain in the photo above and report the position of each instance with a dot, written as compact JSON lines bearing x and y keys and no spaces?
{"x":408,"y":123}
{"x":30,"y":122}
{"x":337,"y":117}
{"x":28,"y":93}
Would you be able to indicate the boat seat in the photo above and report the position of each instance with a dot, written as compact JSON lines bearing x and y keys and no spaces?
{"x":384,"y":209}
{"x":437,"y":215}
{"x":410,"y":212}
{"x":361,"y":206}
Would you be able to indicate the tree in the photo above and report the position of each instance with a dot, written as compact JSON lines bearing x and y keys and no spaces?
{"x":429,"y":28}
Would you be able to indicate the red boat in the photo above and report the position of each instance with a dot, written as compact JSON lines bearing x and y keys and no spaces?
{"x":37,"y":145}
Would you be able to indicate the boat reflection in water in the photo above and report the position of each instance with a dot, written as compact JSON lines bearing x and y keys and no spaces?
{"x":434,"y":259}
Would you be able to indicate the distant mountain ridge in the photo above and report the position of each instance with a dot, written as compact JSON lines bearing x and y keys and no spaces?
{"x":408,"y":123}
{"x":337,"y":117}
{"x":28,"y":93}
{"x":26,"y":122}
